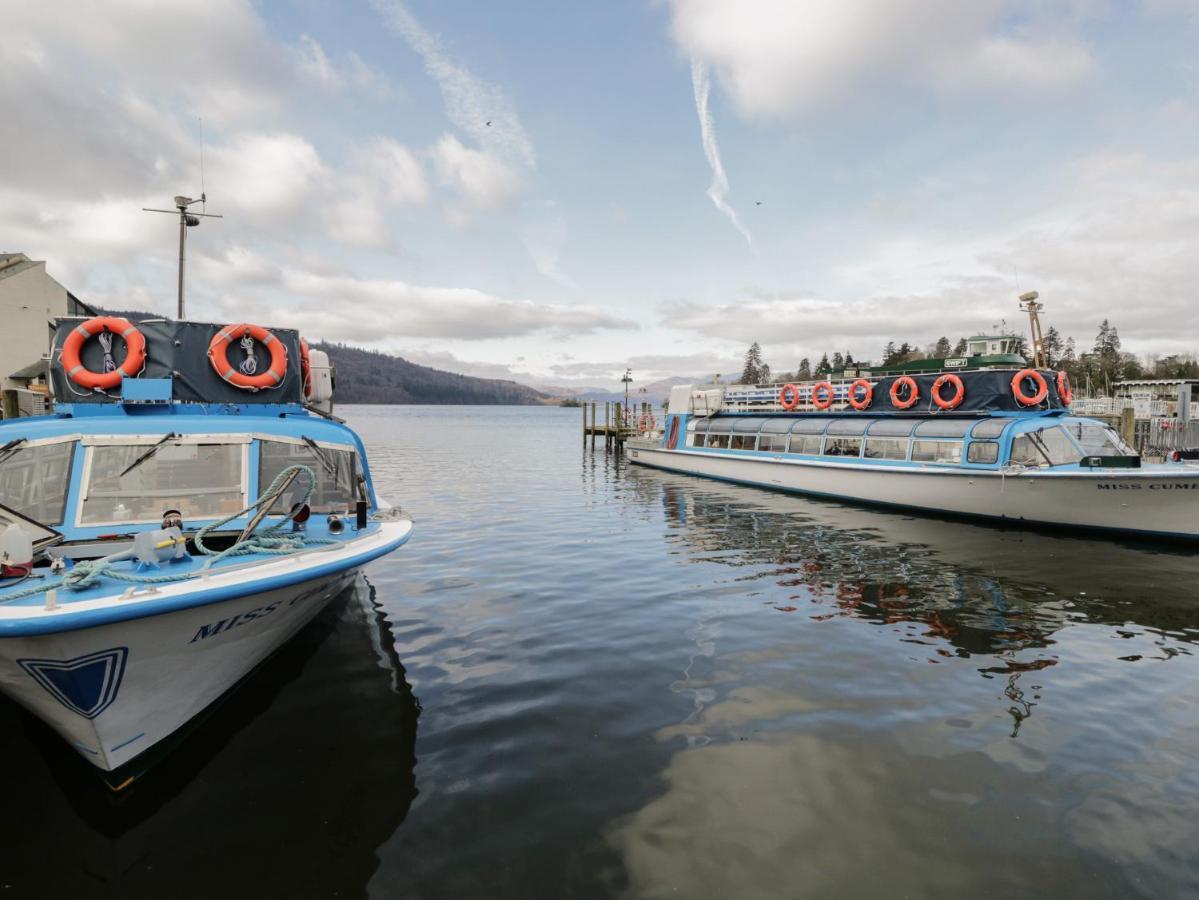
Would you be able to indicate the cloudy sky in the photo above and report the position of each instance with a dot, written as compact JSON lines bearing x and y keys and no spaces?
{"x":552,"y":191}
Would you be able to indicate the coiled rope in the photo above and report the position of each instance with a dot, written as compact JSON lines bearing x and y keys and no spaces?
{"x":268,"y":542}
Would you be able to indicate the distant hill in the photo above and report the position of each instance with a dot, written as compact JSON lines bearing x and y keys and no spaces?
{"x":656,"y":393}
{"x":368,"y":376}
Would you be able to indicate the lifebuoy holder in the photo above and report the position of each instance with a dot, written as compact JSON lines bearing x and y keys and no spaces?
{"x":959,"y":393}
{"x":1026,"y":399}
{"x":130,"y":367}
{"x":822,"y":394}
{"x":867,"y":398}
{"x":913,"y":392}
{"x":218,"y":355}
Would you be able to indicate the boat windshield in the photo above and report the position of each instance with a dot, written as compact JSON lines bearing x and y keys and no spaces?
{"x":334,"y":470}
{"x":1044,"y":447}
{"x":201,"y":480}
{"x":1096,"y":439}
{"x":34,"y":480}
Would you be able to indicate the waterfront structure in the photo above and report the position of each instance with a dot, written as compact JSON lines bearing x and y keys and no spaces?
{"x":179,"y":516}
{"x":997,"y":444}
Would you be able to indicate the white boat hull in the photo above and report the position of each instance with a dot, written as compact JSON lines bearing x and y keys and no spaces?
{"x":1161,"y":501}
{"x":115,"y":691}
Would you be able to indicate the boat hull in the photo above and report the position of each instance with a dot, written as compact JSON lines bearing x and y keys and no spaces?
{"x":115,"y":691}
{"x":1162,"y":503}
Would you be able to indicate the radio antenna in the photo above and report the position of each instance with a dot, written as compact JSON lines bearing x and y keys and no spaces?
{"x":203,"y":193}
{"x":186,"y":220}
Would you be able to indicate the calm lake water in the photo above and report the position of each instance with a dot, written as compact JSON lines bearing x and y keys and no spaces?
{"x":586,"y":679}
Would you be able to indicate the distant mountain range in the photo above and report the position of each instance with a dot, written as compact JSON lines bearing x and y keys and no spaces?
{"x":368,"y":376}
{"x":655,"y":392}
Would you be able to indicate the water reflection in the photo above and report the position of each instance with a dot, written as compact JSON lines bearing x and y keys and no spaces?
{"x":998,"y":725}
{"x":285,"y":790}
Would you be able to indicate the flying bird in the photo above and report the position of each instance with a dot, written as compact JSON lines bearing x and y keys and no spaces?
{"x":488,"y":124}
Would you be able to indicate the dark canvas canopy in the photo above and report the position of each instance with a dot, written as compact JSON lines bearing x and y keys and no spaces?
{"x":179,"y":351}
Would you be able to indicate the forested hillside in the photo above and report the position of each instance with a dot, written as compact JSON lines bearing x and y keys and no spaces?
{"x":367,"y":376}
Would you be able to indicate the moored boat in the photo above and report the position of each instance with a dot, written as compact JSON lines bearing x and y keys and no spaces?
{"x":992,"y":443}
{"x":183,"y":513}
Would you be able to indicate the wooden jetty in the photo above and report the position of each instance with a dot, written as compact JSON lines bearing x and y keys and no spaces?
{"x":620,"y":423}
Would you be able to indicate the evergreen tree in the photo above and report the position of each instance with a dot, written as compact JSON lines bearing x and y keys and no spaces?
{"x":889,"y":353}
{"x":823,"y":367}
{"x":849,"y":363}
{"x":804,"y":372}
{"x":960,"y":347}
{"x":942,"y":349}
{"x":838,"y":362}
{"x":1106,"y":352}
{"x":904,"y":352}
{"x":764,"y":374}
{"x":752,"y":372}
{"x":1053,"y":345}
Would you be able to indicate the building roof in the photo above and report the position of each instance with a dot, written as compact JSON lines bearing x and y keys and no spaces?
{"x":1156,"y":382}
{"x":12,"y":263}
{"x":33,"y":370}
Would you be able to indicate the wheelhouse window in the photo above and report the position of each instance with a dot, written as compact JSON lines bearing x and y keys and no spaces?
{"x":138,"y":482}
{"x":1044,"y":447}
{"x":34,"y":480}
{"x":334,"y":469}
{"x":1096,"y":439}
{"x":943,"y":452}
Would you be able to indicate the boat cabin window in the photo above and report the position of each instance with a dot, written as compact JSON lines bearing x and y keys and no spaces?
{"x":982,"y":452}
{"x":772,"y":443}
{"x":806,"y":436}
{"x":34,"y":480}
{"x":745,"y":434}
{"x":946,"y":452}
{"x":699,"y":431}
{"x":848,"y":426}
{"x":948,"y":428}
{"x":138,"y":482}
{"x":1044,"y":447}
{"x":1096,"y":439}
{"x":842,"y":446}
{"x":891,"y":428}
{"x":334,"y":469}
{"x":886,"y":448}
{"x":990,"y":428}
{"x":777,"y":426}
{"x":718,"y":440}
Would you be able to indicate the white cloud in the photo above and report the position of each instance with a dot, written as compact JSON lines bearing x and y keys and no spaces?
{"x":778,"y":58}
{"x":263,"y":175}
{"x":483,"y":180}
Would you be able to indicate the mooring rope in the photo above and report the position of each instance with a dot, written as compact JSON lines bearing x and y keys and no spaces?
{"x":86,"y":573}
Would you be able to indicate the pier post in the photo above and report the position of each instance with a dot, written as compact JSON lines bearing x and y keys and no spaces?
{"x":592,"y":424}
{"x":1128,"y":425}
{"x":607,"y":427}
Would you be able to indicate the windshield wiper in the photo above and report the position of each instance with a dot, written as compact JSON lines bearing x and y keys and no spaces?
{"x":320,"y":454}
{"x":11,"y":447}
{"x":141,"y":459}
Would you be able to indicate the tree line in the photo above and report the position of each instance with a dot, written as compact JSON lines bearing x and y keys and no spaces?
{"x":1098,"y":367}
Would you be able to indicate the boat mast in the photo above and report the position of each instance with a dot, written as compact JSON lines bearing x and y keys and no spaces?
{"x":1029,"y":304}
{"x":186,"y":220}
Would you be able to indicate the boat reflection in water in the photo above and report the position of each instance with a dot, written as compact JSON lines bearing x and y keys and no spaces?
{"x":286,"y":789}
{"x":1007,"y":700}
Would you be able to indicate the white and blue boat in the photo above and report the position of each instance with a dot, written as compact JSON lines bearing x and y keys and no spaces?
{"x":177,"y":519}
{"x":997,"y":443}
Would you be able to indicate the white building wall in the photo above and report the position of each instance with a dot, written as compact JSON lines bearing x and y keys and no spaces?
{"x":29,"y":300}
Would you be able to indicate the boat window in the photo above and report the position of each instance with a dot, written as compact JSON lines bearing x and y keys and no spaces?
{"x":334,"y":471}
{"x":719,"y":425}
{"x":849,"y":426}
{"x":700,"y":429}
{"x":718,"y":440}
{"x":748,"y":424}
{"x":951,"y":428}
{"x":1096,"y":439}
{"x":743,"y":442}
{"x":843,"y":446}
{"x":777,"y":426}
{"x":937,"y":451}
{"x":34,"y":480}
{"x":990,"y":428}
{"x":1044,"y":447}
{"x":772,"y":443}
{"x":891,"y":428}
{"x":805,"y":443}
{"x":886,"y":448}
{"x":809,"y":426}
{"x":203,"y":481}
{"x":982,"y":452}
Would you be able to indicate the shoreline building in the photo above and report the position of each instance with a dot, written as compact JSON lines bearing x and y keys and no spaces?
{"x":30,"y":300}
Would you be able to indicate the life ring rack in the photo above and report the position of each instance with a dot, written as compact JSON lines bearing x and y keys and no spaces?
{"x":218,"y":355}
{"x":1024,"y":398}
{"x":130,"y":367}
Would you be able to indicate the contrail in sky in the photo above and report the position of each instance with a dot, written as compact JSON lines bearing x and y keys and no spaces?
{"x":719,"y":187}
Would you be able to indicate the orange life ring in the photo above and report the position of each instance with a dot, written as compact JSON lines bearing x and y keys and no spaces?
{"x":913,"y":392}
{"x":791,"y":402}
{"x":958,"y":396}
{"x":865,"y":402}
{"x":1018,"y":387}
{"x":135,"y":352}
{"x":822,"y":394}
{"x":306,"y":369}
{"x":218,"y":355}
{"x":1064,"y":390}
